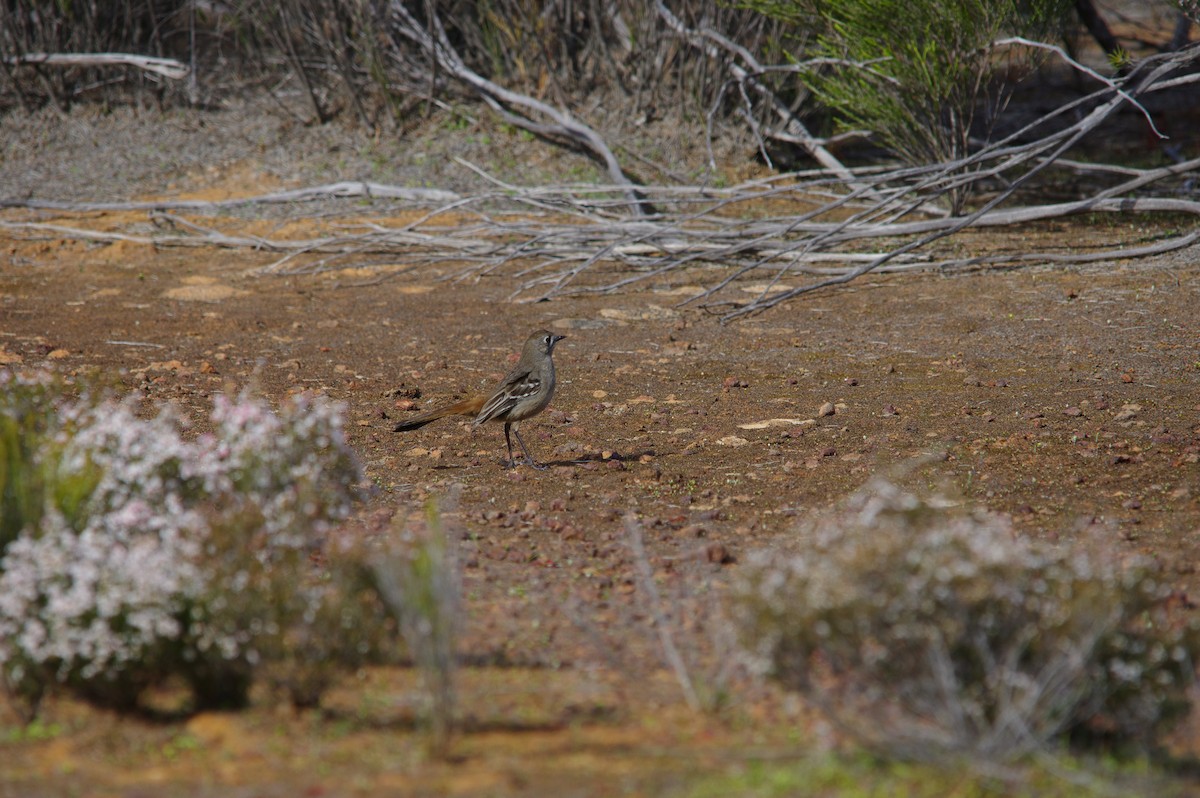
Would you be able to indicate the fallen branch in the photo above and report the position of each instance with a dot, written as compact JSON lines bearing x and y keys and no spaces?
{"x":576,"y":239}
{"x":328,"y":191}
{"x":167,"y":67}
{"x":1061,"y":53}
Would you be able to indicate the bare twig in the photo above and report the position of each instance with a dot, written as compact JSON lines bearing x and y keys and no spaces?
{"x":745,"y":74}
{"x":433,"y":39}
{"x":633,"y":532}
{"x":1061,"y":53}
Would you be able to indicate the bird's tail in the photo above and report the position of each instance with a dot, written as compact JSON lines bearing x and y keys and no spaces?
{"x":467,"y":407}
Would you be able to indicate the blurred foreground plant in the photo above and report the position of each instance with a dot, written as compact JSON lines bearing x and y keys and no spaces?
{"x":417,"y":576}
{"x":130,"y":554}
{"x":926,"y":632}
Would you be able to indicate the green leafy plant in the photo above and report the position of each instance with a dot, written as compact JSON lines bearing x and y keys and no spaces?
{"x":926,"y":631}
{"x":29,"y":424}
{"x":912,"y":73}
{"x":1120,"y":59}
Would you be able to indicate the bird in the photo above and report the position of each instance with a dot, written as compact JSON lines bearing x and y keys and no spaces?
{"x":523,"y":393}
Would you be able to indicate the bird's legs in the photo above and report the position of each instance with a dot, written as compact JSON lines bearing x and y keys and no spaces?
{"x":529,"y":461}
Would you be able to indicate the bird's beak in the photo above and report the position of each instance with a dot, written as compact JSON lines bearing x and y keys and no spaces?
{"x":555,"y":339}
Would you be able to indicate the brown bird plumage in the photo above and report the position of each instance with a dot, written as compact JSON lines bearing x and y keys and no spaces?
{"x":523,"y":393}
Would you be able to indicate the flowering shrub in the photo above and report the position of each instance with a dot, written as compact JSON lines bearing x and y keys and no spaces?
{"x":928,"y":632}
{"x":138,"y":554}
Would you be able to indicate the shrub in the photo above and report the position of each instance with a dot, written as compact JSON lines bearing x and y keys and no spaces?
{"x":139,"y":554}
{"x":912,"y":73}
{"x":926,"y":632}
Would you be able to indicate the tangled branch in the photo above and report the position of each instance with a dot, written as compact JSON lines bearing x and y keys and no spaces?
{"x":556,"y":241}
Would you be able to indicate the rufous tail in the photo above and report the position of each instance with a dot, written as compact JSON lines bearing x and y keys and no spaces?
{"x":467,"y":407}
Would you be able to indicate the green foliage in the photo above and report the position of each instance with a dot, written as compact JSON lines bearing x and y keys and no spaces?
{"x":842,"y":776}
{"x":31,"y":434}
{"x":911,"y":72}
{"x":1120,"y":59}
{"x":928,"y":632}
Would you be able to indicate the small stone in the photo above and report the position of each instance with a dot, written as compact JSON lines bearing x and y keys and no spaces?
{"x":1127,"y":412}
{"x":826,"y":409}
{"x":717,"y":554}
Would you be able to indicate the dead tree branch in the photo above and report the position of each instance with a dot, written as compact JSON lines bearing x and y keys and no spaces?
{"x":167,"y":67}
{"x":331,"y":190}
{"x":587,"y":239}
{"x":745,"y":74}
{"x":433,"y":40}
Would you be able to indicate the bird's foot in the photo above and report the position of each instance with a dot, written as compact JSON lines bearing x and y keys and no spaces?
{"x":526,"y":460}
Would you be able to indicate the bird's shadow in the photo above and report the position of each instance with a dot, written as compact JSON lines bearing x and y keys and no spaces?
{"x":594,"y":457}
{"x":613,"y":457}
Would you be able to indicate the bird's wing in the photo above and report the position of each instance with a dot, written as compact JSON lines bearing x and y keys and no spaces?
{"x":517,"y":386}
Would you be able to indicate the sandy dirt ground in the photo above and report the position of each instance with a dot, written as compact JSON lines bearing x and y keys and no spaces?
{"x":1067,"y":399}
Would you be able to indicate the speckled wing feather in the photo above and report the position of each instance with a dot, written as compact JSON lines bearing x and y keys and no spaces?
{"x":518,"y":386}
